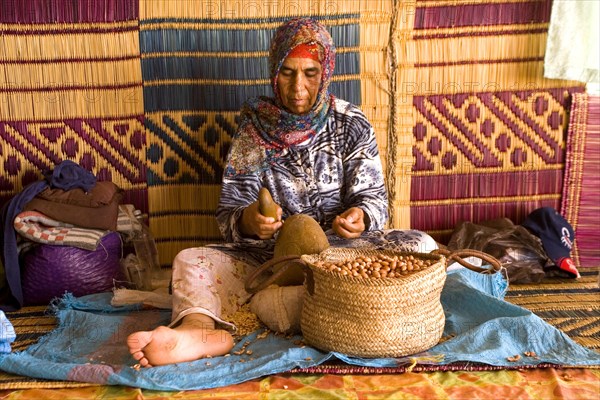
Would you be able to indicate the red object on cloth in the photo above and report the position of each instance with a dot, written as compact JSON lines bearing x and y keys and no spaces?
{"x":567,"y":264}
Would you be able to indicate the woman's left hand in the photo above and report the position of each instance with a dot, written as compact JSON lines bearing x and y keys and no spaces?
{"x":349,"y":224}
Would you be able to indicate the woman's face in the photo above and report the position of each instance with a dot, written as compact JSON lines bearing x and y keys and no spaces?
{"x":298,"y":84}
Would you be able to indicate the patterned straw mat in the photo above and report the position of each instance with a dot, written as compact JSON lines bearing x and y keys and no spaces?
{"x":71,"y":88}
{"x":581,"y":188}
{"x":487,"y":129}
{"x":146,"y":93}
{"x":572,"y":306}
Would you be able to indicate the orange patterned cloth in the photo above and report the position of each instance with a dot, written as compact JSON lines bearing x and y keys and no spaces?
{"x":548,"y":383}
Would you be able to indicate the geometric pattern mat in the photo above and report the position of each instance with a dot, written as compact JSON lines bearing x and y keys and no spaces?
{"x":581,"y":184}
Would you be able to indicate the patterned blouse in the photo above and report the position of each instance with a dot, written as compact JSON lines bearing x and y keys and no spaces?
{"x":336,"y":169}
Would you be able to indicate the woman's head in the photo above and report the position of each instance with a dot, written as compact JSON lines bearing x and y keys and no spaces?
{"x":302,"y":59}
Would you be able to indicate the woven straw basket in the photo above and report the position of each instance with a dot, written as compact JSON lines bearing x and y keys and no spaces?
{"x":372,"y":317}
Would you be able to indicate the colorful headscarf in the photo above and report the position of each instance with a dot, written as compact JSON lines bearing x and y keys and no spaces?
{"x":266,"y":127}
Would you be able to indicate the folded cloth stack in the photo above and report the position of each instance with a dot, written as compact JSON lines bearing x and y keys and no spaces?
{"x":70,"y":195}
{"x":96,"y":208}
{"x":36,"y":227}
{"x":57,"y":256}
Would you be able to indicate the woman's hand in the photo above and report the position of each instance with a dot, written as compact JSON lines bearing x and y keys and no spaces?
{"x":349,"y":224}
{"x":253,"y":223}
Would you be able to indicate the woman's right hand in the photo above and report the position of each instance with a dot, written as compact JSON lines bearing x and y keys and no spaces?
{"x":253,"y":223}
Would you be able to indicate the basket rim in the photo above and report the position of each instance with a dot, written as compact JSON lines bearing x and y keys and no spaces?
{"x":441,"y":261}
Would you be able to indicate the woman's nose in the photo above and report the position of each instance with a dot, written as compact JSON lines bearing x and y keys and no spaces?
{"x":298,"y":82}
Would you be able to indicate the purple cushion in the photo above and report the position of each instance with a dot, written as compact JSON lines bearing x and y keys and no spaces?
{"x":48,"y":271}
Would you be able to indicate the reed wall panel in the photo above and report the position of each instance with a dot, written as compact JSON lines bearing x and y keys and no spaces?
{"x":147,"y":93}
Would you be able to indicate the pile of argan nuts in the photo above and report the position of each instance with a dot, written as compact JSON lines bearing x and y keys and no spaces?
{"x":379,"y":266}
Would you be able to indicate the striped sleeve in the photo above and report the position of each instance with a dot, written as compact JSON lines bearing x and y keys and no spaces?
{"x":237,"y":193}
{"x":363,"y":171}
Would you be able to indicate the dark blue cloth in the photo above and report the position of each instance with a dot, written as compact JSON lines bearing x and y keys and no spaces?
{"x":10,"y":254}
{"x":67,"y":174}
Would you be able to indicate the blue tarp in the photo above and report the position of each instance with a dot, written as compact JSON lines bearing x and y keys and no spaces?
{"x":89,"y":343}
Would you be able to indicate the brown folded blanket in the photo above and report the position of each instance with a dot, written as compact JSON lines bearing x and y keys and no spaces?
{"x":96,"y":209}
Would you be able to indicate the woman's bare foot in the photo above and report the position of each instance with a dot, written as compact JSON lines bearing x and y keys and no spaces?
{"x":195,"y":338}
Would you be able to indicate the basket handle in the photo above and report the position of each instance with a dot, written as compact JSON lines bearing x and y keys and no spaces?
{"x":253,"y":285}
{"x":457,"y":255}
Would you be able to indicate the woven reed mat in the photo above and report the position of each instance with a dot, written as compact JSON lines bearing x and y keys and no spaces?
{"x":487,"y":129}
{"x":581,"y":189}
{"x":571,"y":306}
{"x":71,"y":88}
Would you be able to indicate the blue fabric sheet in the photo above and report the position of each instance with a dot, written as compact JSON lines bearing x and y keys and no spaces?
{"x":7,"y":334}
{"x":89,"y":343}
